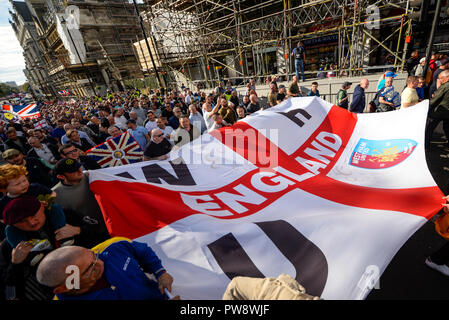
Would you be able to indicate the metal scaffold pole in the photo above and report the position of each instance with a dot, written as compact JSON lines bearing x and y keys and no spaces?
{"x":148,"y":45}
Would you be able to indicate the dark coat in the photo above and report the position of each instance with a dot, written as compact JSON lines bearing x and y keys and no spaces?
{"x":358,"y":101}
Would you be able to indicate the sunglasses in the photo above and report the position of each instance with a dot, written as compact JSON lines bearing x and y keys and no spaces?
{"x":158,"y":135}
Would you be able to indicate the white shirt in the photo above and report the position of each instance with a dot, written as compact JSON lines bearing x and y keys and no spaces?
{"x":45,"y":153}
{"x":121,"y":122}
{"x":150,"y":125}
{"x":166,"y":130}
{"x":208,"y":119}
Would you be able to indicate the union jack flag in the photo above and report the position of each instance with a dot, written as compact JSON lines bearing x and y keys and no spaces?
{"x":23,"y":111}
{"x":63,"y":93}
{"x":121,"y":150}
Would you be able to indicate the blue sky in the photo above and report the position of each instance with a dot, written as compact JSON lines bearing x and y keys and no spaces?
{"x":11,"y":58}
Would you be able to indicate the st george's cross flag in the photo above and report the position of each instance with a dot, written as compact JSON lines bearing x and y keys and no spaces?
{"x":118,"y":151}
{"x":23,"y":111}
{"x":304,"y":188}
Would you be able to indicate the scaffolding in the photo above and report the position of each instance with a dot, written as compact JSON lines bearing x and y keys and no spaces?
{"x":215,"y":40}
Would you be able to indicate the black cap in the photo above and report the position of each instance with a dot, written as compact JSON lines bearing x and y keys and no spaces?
{"x":66,"y":165}
{"x":347,"y":83}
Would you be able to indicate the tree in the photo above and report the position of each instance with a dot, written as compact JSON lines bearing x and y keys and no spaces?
{"x":26,"y":87}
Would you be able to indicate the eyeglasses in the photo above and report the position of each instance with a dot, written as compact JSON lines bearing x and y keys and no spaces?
{"x":158,"y":135}
{"x":92,"y":266}
{"x":71,"y":151}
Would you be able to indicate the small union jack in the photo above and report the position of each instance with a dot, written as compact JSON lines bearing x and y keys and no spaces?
{"x":63,"y":93}
{"x":23,"y":111}
{"x":121,"y":150}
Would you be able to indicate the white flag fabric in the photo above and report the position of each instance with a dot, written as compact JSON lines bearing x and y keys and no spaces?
{"x":304,"y":188}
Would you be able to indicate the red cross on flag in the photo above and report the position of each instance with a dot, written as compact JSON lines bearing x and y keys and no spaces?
{"x":304,"y":188}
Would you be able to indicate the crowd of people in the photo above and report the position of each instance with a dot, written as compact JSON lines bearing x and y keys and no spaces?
{"x":50,"y":218}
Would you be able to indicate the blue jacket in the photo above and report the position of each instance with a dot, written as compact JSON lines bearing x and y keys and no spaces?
{"x":358,"y":100}
{"x":125,"y":262}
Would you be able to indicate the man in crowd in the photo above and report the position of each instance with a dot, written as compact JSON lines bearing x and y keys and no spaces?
{"x":133,"y":116}
{"x":240,"y":113}
{"x":197,"y":119}
{"x":69,"y":151}
{"x":37,"y":171}
{"x":45,"y":139}
{"x":282,"y":94}
{"x":80,"y":143}
{"x":342,"y":96}
{"x":185,"y":133}
{"x":78,"y":202}
{"x":314,"y":92}
{"x":68,"y":127}
{"x":114,"y":131}
{"x":254,"y":105}
{"x":389,"y":99}
{"x":435,"y":84}
{"x":48,"y":153}
{"x":166,"y":130}
{"x":119,"y":118}
{"x":412,"y":62}
{"x":102,"y":274}
{"x":174,"y":120}
{"x":358,"y":100}
{"x":293,"y":89}
{"x":150,"y":122}
{"x":299,"y":53}
{"x":272,"y":101}
{"x":409,"y":96}
{"x":439,"y":108}
{"x":16,"y":142}
{"x":139,"y":133}
{"x":158,"y":148}
{"x":77,"y":126}
{"x":218,"y":122}
{"x":226,"y":111}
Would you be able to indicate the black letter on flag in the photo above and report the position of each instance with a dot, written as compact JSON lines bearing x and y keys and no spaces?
{"x":308,"y":260}
{"x":154,"y":173}
{"x":293,"y":116}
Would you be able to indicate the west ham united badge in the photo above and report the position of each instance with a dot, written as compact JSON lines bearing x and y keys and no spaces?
{"x":381,"y":154}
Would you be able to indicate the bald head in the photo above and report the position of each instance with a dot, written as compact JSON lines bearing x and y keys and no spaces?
{"x":364,"y":83}
{"x":443,"y":76}
{"x":52,"y":270}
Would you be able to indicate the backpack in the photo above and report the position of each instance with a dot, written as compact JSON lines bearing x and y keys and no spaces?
{"x":374,"y":104}
{"x":298,"y":53}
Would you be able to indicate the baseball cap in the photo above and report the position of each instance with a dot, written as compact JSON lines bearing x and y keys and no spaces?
{"x":422,"y":60}
{"x":66,"y":166}
{"x":444,"y":62}
{"x":281,"y":86}
{"x":347,"y":83}
{"x":20,"y":208}
{"x":9,"y":153}
{"x":391,"y":74}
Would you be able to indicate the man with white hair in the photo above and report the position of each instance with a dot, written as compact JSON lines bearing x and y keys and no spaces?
{"x":113,"y":270}
{"x":49,"y":153}
{"x":133,"y":116}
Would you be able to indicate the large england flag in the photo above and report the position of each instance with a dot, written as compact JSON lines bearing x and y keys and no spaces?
{"x":304,"y":188}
